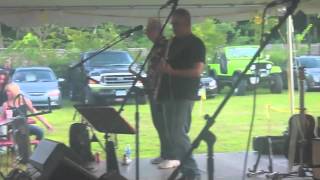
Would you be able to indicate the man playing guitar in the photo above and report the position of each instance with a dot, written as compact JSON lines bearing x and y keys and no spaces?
{"x":152,"y":82}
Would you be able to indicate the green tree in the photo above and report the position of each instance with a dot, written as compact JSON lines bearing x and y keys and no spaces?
{"x":213,"y":34}
{"x":25,"y":49}
{"x":249,"y":32}
{"x":40,"y":45}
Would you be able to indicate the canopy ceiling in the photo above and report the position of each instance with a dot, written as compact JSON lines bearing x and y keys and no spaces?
{"x":125,"y":12}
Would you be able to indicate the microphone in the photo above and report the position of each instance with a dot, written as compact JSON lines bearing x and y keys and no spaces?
{"x":126,"y":33}
{"x":168,"y":3}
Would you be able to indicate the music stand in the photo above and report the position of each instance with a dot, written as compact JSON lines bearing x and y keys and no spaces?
{"x":107,"y":120}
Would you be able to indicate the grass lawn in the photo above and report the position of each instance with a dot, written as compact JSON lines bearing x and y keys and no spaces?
{"x":231,"y":127}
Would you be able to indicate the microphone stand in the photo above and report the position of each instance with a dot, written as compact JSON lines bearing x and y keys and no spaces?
{"x":205,"y":133}
{"x":135,"y":89}
{"x":115,"y":41}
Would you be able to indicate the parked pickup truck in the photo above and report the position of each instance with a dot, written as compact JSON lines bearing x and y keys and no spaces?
{"x":230,"y":62}
{"x":104,"y":78}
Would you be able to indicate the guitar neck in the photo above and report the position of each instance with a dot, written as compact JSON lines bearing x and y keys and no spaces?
{"x":301,"y":98}
{"x":301,"y":90}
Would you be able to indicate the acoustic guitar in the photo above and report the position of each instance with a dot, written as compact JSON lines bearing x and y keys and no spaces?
{"x":300,"y":132}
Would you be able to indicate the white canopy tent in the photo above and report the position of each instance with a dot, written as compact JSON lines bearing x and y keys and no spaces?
{"x":126,"y":12}
{"x":78,"y":13}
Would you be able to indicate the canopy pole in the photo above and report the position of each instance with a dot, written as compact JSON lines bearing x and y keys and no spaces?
{"x":290,"y":31}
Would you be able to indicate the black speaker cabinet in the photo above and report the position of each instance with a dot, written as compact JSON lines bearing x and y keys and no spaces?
{"x":316,"y":157}
{"x":112,"y":176}
{"x":55,"y":161}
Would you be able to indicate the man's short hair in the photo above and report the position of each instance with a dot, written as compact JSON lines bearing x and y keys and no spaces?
{"x":180,"y":12}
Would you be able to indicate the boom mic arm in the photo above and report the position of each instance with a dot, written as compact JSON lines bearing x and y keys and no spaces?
{"x":128,"y":32}
{"x":168,"y":3}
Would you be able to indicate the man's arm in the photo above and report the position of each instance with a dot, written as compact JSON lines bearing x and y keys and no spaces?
{"x":192,"y":72}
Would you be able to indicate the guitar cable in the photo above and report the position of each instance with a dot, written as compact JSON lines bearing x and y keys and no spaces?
{"x":254,"y":104}
{"x":253,"y":115}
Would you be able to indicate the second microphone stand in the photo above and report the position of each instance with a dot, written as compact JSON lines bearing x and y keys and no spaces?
{"x":133,"y":89}
{"x":205,"y":133}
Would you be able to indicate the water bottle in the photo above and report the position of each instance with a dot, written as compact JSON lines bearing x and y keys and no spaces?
{"x":97,"y":157}
{"x":126,"y":156}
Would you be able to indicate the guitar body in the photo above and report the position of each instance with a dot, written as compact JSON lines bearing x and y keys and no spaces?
{"x":307,"y":125}
{"x":300,"y":132}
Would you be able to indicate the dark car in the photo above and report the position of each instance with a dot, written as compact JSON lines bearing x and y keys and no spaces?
{"x":312,"y":70}
{"x":38,"y":84}
{"x":209,"y":85}
{"x":104,"y":78}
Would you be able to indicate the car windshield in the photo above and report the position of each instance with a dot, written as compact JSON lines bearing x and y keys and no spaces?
{"x":33,"y":75}
{"x":109,"y":59}
{"x":241,"y":52}
{"x":309,"y":62}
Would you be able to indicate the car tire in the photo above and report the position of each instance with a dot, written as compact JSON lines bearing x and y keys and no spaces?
{"x":220,"y":86}
{"x":60,"y":104}
{"x":242,"y":86}
{"x":212,"y":74}
{"x":57,"y":107}
{"x":88,"y":97}
{"x":276,"y":84}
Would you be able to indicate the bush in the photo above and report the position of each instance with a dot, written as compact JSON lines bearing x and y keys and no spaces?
{"x":278,"y":55}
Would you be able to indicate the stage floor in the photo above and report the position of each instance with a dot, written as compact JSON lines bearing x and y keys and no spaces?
{"x":228,"y":166}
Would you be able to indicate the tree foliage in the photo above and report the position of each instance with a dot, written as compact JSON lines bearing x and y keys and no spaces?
{"x":60,"y":46}
{"x":50,"y":44}
{"x":213,"y":34}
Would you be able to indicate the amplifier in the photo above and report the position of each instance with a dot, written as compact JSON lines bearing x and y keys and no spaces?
{"x":316,"y":157}
{"x":261,"y":144}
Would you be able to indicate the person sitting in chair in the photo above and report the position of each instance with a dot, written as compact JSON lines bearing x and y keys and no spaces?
{"x":4,"y":79}
{"x":17,"y":104}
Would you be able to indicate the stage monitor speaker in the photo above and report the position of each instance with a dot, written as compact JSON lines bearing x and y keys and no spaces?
{"x":68,"y":170}
{"x":112,"y":176}
{"x":55,"y":161}
{"x":316,"y":157}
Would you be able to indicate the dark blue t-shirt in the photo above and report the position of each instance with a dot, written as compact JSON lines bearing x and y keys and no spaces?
{"x":184,"y":53}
